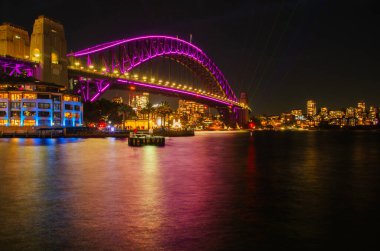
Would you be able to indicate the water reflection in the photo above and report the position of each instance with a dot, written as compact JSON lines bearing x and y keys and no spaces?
{"x":215,"y":191}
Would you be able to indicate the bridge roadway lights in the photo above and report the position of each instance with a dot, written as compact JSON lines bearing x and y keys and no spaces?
{"x":173,"y":90}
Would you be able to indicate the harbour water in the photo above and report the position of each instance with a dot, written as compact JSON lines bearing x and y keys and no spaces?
{"x":215,"y":191}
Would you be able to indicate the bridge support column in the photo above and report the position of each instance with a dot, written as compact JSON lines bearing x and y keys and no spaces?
{"x":242,"y":117}
{"x":227,"y":116}
{"x":234,"y":117}
{"x":48,"y":47}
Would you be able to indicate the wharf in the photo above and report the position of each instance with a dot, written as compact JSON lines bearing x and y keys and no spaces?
{"x":145,"y":139}
{"x":58,"y":132}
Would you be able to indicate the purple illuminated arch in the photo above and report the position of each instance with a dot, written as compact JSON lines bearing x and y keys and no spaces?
{"x":126,"y":54}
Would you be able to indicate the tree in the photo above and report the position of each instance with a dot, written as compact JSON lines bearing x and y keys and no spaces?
{"x":163,"y":110}
{"x":125,"y":111}
{"x":149,"y":109}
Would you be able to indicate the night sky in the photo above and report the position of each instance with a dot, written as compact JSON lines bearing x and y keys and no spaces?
{"x":280,"y":52}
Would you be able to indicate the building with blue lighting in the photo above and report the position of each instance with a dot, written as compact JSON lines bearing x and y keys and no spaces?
{"x":37,"y":104}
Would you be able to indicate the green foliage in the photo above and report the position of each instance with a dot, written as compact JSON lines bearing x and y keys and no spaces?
{"x":149,"y":109}
{"x":163,"y":111}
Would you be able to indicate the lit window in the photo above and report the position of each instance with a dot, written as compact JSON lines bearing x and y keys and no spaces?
{"x":29,"y":113}
{"x":3,"y":95}
{"x":67,"y":98}
{"x":54,"y":58}
{"x":30,"y":96}
{"x":29,"y":122}
{"x":16,"y":96}
{"x":15,"y":122}
{"x":36,"y":55}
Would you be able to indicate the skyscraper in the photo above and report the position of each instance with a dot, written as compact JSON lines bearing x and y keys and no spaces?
{"x":361,"y":105}
{"x":311,"y":108}
{"x":372,"y":112}
{"x":350,"y":112}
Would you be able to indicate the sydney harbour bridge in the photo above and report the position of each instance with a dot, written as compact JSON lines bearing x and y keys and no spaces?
{"x":114,"y":65}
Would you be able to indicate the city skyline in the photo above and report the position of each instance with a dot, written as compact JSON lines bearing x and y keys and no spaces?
{"x":319,"y":50}
{"x":319,"y":106}
{"x":360,"y":116}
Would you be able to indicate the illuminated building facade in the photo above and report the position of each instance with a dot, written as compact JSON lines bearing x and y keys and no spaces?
{"x":324,"y":112}
{"x":348,"y":117}
{"x":373,"y":111}
{"x":192,"y":111}
{"x":336,"y":114}
{"x":191,"y":107}
{"x":138,"y":101}
{"x":296,"y":113}
{"x":361,"y":106}
{"x":373,"y":115}
{"x":311,"y":108}
{"x":38,"y":104}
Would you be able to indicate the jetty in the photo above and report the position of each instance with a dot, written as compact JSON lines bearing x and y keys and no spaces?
{"x":145,"y":139}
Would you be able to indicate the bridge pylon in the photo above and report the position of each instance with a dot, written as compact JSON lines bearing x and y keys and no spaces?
{"x":48,"y":48}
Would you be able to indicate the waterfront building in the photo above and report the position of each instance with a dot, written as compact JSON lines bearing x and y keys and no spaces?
{"x":324,"y":112}
{"x":361,"y":106}
{"x":360,"y":113}
{"x":373,"y":115}
{"x":38,"y":104}
{"x":298,"y":115}
{"x":350,"y":112}
{"x":41,"y":100}
{"x":336,"y":114}
{"x":287,"y":118}
{"x":311,"y":108}
{"x":352,"y":122}
{"x":296,"y":112}
{"x":139,"y":124}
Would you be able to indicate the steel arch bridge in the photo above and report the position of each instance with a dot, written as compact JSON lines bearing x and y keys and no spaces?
{"x":96,"y":69}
